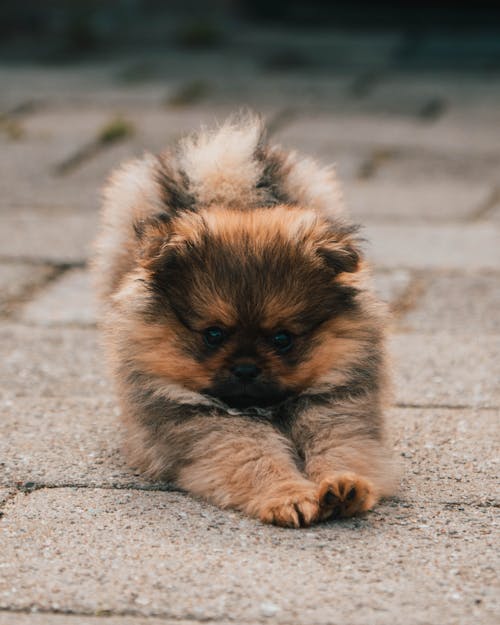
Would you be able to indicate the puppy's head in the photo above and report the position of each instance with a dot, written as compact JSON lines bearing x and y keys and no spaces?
{"x":249,"y":307}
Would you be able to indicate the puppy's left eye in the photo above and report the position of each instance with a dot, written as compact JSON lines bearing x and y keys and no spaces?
{"x":282,"y":341}
{"x":214,"y":336}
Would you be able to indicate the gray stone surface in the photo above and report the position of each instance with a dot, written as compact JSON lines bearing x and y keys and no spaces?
{"x":164,"y":554}
{"x":41,"y":362}
{"x":440,"y":246}
{"x":328,"y":132}
{"x":469,"y":99}
{"x":410,"y":166}
{"x":425,"y":201}
{"x":62,"y":441}
{"x":69,"y":300}
{"x":48,"y":139}
{"x":443,"y":369}
{"x":391,"y":285}
{"x":17,"y":282}
{"x":447,"y":456}
{"x":463,"y":304}
{"x":57,"y":237}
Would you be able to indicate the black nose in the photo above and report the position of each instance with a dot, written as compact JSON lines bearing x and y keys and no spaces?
{"x":245,"y":371}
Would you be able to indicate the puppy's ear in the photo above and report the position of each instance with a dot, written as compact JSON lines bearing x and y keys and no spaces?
{"x":340,"y":252}
{"x":152,"y":236}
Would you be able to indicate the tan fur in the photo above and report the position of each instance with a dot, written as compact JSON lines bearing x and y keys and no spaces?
{"x":225,"y":211}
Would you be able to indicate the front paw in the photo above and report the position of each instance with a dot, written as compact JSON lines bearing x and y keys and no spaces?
{"x":344,"y":495}
{"x":292,"y":505}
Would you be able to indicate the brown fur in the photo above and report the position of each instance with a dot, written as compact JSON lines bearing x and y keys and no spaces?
{"x":258,"y":255}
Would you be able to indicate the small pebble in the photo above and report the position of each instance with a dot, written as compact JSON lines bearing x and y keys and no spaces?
{"x":269,"y":609}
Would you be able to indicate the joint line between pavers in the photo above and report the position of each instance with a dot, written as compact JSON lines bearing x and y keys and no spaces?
{"x":105,"y":613}
{"x":31,"y":487}
{"x":12,"y":495}
{"x":445,"y":406}
{"x":40,"y":260}
{"x":410,"y":296}
{"x":28,"y":293}
{"x":115,"y":131}
{"x":483,"y":210}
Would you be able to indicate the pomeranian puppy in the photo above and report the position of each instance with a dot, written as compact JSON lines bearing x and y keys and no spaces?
{"x":246,"y":344}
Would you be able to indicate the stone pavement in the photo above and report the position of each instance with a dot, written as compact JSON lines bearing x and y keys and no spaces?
{"x":83,"y":540}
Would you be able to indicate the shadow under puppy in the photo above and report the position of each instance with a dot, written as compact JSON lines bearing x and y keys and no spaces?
{"x":244,"y":338}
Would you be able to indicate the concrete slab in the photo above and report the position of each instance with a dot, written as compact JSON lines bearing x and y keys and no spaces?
{"x":447,"y":456}
{"x":18,"y":280}
{"x":389,"y":132}
{"x":55,"y":237}
{"x":40,"y":362}
{"x":62,"y":441}
{"x":426,"y":201}
{"x":441,"y":369}
{"x":408,"y":166}
{"x":48,"y":139}
{"x":391,"y":285}
{"x":69,"y":300}
{"x":465,"y":303}
{"x":441,"y":246}
{"x":164,"y":554}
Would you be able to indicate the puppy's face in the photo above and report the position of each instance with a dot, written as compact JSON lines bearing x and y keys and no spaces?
{"x":247,"y":307}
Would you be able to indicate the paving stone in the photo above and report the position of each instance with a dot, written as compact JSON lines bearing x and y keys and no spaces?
{"x":92,"y":84}
{"x":47,"y":237}
{"x":374,"y":200}
{"x":443,"y":369}
{"x":494,"y":213}
{"x":69,"y":300}
{"x":448,"y":456}
{"x":42,"y":362}
{"x":50,"y":138}
{"x":390,"y":132}
{"x":442,"y":246}
{"x":165,"y":554}
{"x":62,"y":441}
{"x":469,"y":97}
{"x":458,"y":303}
{"x":391,"y":285}
{"x":409,"y":166}
{"x":17,"y":280}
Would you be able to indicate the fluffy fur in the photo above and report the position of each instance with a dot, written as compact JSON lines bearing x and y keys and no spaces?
{"x":228,"y":239}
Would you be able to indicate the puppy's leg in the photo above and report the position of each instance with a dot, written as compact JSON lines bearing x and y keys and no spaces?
{"x":233,"y":461}
{"x":344,"y":453}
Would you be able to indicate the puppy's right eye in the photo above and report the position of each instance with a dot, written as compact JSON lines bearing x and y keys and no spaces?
{"x":214,"y":336}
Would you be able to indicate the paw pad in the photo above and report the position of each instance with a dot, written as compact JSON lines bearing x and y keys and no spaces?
{"x":344,"y":495}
